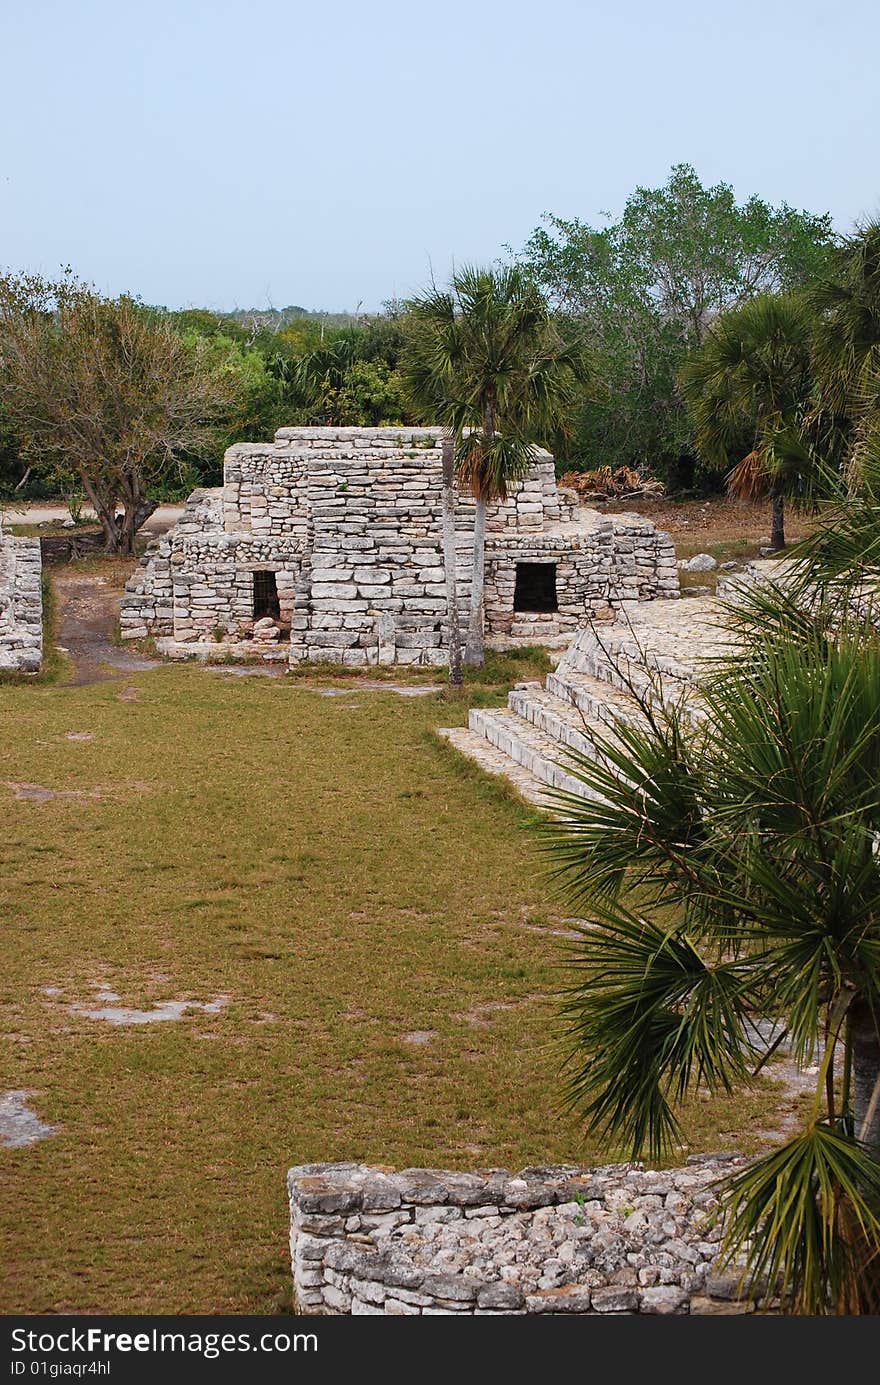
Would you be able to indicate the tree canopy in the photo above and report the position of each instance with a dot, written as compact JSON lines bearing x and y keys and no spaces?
{"x":646,"y":289}
{"x":106,"y":391}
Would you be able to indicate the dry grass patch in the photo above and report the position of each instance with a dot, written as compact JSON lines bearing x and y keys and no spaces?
{"x":346,"y":885}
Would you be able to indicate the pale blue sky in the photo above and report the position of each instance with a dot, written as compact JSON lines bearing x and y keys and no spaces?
{"x":244,"y":154}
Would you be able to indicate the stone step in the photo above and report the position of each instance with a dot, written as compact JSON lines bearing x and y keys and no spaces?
{"x":657,"y":651}
{"x":619,"y":664}
{"x":541,"y":754}
{"x":494,"y":761}
{"x":595,"y":698}
{"x":559,"y":719}
{"x":660,"y":647}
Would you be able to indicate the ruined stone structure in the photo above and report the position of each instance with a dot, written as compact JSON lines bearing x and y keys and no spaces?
{"x":21,"y":604}
{"x":615,"y":1239}
{"x":326,"y":544}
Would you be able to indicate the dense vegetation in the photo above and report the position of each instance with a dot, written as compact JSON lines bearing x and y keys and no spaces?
{"x":784,"y":392}
{"x":641,"y":292}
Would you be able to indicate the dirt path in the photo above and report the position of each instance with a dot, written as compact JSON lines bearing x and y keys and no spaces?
{"x":88,"y":615}
{"x":160,"y":520}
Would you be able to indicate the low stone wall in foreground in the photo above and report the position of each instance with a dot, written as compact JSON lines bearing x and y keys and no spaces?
{"x":21,"y":604}
{"x":558,"y":1239}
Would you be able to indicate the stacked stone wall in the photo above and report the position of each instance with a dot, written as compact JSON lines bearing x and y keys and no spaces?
{"x":21,"y":604}
{"x":350,"y":521}
{"x":614,"y":1239}
{"x":374,"y":591}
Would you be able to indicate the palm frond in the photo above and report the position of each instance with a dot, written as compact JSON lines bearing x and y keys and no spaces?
{"x":805,"y":1219}
{"x":649,"y":1018}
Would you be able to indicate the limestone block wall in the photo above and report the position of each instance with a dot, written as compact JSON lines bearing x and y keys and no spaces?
{"x":350,"y":522}
{"x":200,"y":588}
{"x":147,"y":606}
{"x":212,"y":585}
{"x":644,"y":564}
{"x":614,"y":1239}
{"x":374,"y":591}
{"x":584,"y":581}
{"x":617,"y":558}
{"x":21,"y":604}
{"x":266,"y":488}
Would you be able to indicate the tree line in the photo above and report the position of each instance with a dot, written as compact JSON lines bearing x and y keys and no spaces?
{"x":641,"y":293}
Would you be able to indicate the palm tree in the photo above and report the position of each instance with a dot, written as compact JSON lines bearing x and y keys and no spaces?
{"x":748,"y":390}
{"x":487,"y":361}
{"x":846,"y":307}
{"x":730,"y":867}
{"x":846,"y":348}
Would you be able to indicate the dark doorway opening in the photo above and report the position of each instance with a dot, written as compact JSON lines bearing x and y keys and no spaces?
{"x":535,"y":588}
{"x":266,"y":601}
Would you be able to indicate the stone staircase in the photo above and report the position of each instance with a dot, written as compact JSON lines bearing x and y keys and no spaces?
{"x":654,"y":649}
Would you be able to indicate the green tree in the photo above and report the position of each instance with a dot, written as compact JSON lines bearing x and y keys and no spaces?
{"x":646,"y":289}
{"x":729,"y":867}
{"x":106,"y":390}
{"x":11,"y":469}
{"x":371,"y":395}
{"x":487,"y":361}
{"x":748,"y":389}
{"x":352,"y":377}
{"x":845,"y":303}
{"x":257,"y":400}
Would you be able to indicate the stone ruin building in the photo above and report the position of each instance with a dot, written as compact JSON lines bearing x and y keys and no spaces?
{"x":326,"y":544}
{"x":21,"y":604}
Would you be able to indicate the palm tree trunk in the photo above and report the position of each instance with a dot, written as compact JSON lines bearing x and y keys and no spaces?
{"x":474,"y":654}
{"x":777,"y":523}
{"x":475,"y":649}
{"x":449,"y":562}
{"x":865,"y":1040}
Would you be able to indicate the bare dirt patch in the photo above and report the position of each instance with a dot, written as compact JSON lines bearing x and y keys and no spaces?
{"x":88,"y":615}
{"x":38,"y":793}
{"x":163,"y":1010}
{"x":481,"y":1014}
{"x":106,"y":1005}
{"x":720,"y":526}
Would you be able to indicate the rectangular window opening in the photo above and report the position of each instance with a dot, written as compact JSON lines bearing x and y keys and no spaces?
{"x":266,"y":601}
{"x":535,"y":588}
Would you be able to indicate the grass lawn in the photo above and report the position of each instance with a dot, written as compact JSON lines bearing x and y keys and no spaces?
{"x":369,"y":910}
